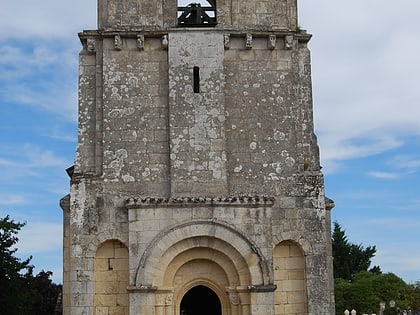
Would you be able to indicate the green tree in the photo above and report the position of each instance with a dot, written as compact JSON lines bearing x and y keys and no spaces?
{"x":341,"y":287}
{"x":414,"y":292}
{"x":42,"y":293}
{"x":11,"y":268}
{"x":348,"y":258}
{"x":368,"y":289}
{"x":22,"y":293}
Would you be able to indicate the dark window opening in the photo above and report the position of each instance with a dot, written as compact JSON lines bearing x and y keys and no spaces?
{"x":196,"y":15}
{"x":196,"y":79}
{"x":200,"y":300}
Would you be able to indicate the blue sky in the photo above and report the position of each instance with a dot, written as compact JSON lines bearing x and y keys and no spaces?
{"x":366,"y":103}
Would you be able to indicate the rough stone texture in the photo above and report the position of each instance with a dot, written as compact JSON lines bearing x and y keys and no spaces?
{"x":197,"y":164}
{"x":197,"y":120}
{"x":160,"y":15}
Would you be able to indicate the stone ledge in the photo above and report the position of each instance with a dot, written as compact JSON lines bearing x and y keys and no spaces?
{"x":141,"y":288}
{"x":262,"y":288}
{"x":127,"y":33}
{"x":239,"y":201}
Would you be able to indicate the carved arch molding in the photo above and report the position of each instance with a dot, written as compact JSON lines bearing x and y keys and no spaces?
{"x":209,"y":253}
{"x":216,"y":237}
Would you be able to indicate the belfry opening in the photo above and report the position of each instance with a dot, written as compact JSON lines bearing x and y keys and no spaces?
{"x":200,"y":300}
{"x":197,"y":14}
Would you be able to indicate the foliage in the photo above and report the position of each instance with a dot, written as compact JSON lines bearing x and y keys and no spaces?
{"x":42,"y":293}
{"x":368,"y":289}
{"x":11,"y":266}
{"x":341,"y":287}
{"x":26,"y":294}
{"x":348,"y":258}
{"x":414,"y":293}
{"x":360,"y":288}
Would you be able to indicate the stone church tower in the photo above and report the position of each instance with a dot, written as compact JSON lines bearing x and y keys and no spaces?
{"x":196,"y":188}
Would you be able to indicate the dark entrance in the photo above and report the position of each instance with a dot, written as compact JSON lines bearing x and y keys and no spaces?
{"x":200,"y":300}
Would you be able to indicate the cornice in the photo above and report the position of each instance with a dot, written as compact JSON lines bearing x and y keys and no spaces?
{"x":238,"y":201}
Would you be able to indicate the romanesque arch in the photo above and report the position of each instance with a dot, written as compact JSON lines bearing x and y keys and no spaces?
{"x":232,"y":246}
{"x":208,"y":253}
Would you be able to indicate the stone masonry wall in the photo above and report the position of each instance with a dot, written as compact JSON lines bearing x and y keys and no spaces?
{"x":144,"y":132}
{"x":197,"y":160}
{"x":268,"y":125}
{"x":197,"y":118}
{"x":135,"y":124}
{"x":161,"y":15}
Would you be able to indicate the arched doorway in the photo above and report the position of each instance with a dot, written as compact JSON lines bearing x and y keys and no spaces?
{"x":200,"y":300}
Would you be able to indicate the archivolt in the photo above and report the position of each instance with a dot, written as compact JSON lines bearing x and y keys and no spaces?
{"x":239,"y":249}
{"x":198,"y":249}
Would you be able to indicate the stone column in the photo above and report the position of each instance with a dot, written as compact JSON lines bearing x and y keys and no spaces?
{"x":197,"y":115}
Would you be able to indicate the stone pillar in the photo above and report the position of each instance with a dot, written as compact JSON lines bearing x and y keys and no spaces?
{"x":197,"y":115}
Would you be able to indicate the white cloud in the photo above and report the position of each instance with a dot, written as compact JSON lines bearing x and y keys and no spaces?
{"x":12,"y":199}
{"x":384,"y":175}
{"x":31,"y":74}
{"x":57,"y":135}
{"x":50,"y":19}
{"x":394,"y":236}
{"x":29,"y":161}
{"x":336,"y":146}
{"x":39,"y":157}
{"x":11,"y":169}
{"x":396,"y":260}
{"x":33,"y":156}
{"x":394,"y":224}
{"x":366,"y":96}
{"x":405,"y":162}
{"x":39,"y":237}
{"x":405,"y":165}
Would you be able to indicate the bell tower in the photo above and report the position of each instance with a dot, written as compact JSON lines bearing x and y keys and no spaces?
{"x":197,"y":186}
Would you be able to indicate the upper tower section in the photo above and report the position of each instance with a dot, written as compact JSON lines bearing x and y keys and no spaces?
{"x":264,"y":15}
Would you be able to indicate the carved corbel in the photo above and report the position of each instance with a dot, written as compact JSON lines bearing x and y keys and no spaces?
{"x":226,"y":41}
{"x":248,"y":43}
{"x":234,"y":298}
{"x":272,"y":41}
{"x":165,"y":42}
{"x":118,"y":42}
{"x":91,"y":45}
{"x":140,"y":41}
{"x":288,"y":42}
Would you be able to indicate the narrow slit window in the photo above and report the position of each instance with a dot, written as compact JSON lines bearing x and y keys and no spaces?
{"x":196,"y":78}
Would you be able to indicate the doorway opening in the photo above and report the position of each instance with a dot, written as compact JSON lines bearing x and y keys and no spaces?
{"x":200,"y":300}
